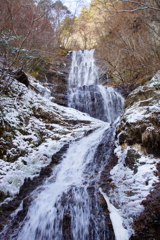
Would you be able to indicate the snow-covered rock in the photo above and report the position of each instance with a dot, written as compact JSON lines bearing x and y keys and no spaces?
{"x":140,"y":124}
{"x":33,"y":129}
{"x":138,"y":152}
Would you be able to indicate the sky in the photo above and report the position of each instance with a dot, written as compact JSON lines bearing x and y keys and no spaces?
{"x":75,"y":5}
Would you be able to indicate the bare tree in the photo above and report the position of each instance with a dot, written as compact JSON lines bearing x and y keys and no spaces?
{"x":29,"y":31}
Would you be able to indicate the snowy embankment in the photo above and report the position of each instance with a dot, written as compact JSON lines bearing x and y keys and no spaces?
{"x":134,"y":176}
{"x":117,"y":221}
{"x":33,"y":129}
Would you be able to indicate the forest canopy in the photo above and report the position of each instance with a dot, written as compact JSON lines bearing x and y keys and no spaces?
{"x":125,"y":33}
{"x":30,"y":30}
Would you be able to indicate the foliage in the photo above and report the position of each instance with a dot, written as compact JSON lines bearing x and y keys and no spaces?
{"x":29,"y":30}
{"x":126,"y":35}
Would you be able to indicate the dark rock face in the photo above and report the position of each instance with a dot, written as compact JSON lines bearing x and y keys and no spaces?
{"x":24,"y":194}
{"x":55,"y":77}
{"x":140,"y":123}
{"x":105,"y":151}
{"x":147,"y":225}
{"x":139,"y":129}
{"x":21,"y":77}
{"x":125,"y":89}
{"x":131,"y":159}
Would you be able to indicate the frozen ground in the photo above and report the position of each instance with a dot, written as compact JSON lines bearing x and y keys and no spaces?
{"x":37,"y":128}
{"x":129,"y":188}
{"x":133,"y":181}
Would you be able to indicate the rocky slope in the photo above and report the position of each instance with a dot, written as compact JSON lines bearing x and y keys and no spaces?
{"x":54,"y":76}
{"x":135,"y":179}
{"x":141,"y":121}
{"x":35,"y":132}
{"x":33,"y":128}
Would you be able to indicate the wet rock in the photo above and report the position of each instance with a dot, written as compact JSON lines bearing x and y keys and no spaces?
{"x":131,"y":159}
{"x":151,"y":139}
{"x":122,"y":137}
{"x":57,"y":157}
{"x":21,"y":77}
{"x":140,"y":122}
{"x":54,"y":76}
{"x":104,"y":149}
{"x":66,"y":226}
{"x":24,"y":194}
{"x":125,"y":89}
{"x":147,"y":225}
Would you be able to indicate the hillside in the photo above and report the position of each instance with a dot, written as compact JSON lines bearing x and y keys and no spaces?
{"x":64,"y":174}
{"x":34,"y":129}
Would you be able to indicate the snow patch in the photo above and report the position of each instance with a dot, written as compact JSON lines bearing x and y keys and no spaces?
{"x":35,"y":139}
{"x":130,"y":188}
{"x":116,"y":219}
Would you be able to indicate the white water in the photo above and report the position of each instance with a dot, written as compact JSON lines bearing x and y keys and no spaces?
{"x":45,"y":215}
{"x":85,"y":92}
{"x":68,"y":205}
{"x":83,"y":69}
{"x":117,"y":221}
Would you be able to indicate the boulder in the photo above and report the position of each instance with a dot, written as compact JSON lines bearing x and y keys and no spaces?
{"x":140,"y":123}
{"x":54,"y":76}
{"x":21,"y":77}
{"x":125,"y":89}
{"x":138,"y":135}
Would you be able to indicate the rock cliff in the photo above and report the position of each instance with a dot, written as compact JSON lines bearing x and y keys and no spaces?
{"x":135,"y":178}
{"x":33,"y":128}
{"x":54,"y":76}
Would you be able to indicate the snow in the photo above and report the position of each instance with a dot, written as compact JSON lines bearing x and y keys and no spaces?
{"x":137,"y":113}
{"x":142,"y":109}
{"x":155,"y":80}
{"x":117,"y":221}
{"x":35,"y":139}
{"x":131,"y":188}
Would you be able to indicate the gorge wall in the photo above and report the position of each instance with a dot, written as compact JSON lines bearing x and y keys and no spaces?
{"x":32,"y":125}
{"x":140,"y":127}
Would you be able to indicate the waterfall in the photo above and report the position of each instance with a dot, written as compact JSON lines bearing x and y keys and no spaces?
{"x":85,"y":92}
{"x":69,"y":205}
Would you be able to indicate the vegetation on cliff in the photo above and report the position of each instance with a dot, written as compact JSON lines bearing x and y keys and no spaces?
{"x":126,"y":35}
{"x":30,"y":32}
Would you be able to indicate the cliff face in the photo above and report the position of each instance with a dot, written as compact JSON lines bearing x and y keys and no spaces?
{"x":135,"y":179}
{"x":54,"y":76}
{"x":147,"y":225}
{"x":140,"y":123}
{"x":32,"y":129}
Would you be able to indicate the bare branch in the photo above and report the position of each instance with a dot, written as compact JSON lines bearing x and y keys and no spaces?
{"x":133,"y":10}
{"x":143,"y":4}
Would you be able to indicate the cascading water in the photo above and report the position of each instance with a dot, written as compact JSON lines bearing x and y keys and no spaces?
{"x":85,"y":92}
{"x":69,"y":205}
